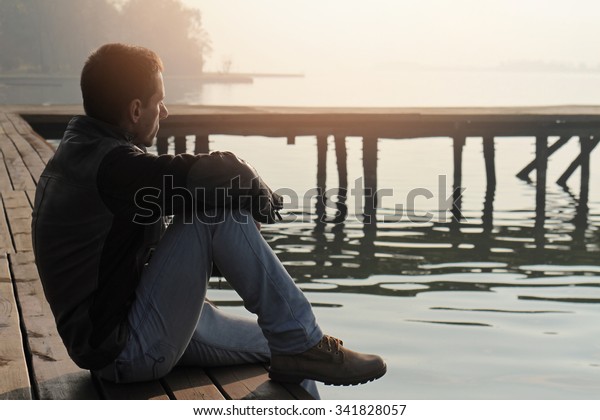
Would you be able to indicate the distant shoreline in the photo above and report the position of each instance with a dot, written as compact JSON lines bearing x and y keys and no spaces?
{"x":26,"y":79}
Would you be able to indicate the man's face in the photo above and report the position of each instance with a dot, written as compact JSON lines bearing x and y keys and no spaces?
{"x":152,"y":112}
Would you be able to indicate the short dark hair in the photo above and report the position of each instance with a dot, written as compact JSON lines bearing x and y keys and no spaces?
{"x":113,"y":76}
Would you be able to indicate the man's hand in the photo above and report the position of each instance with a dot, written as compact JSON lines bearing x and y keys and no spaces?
{"x":258,"y":224}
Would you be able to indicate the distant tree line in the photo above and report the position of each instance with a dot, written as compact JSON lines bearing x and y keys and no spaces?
{"x":55,"y":36}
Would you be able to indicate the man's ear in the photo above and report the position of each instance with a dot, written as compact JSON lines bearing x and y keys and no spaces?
{"x":134,"y":111}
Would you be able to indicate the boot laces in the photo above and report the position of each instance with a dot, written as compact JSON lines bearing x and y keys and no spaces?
{"x":331,"y":343}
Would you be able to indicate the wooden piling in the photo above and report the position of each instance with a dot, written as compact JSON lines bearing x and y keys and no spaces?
{"x":341,"y":157}
{"x":524,"y":173}
{"x":562,"y":180}
{"x":489,"y":155}
{"x":458,"y":145}
{"x":370,"y":180}
{"x":321,"y":162}
{"x":586,"y":148}
{"x":541,"y":158}
{"x":180,"y":145}
{"x":202,"y":144}
{"x":321,"y":178}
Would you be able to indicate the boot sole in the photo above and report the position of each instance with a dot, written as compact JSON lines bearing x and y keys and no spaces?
{"x":297,"y":378}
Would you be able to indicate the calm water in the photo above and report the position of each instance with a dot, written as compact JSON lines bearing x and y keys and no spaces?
{"x":491,"y":307}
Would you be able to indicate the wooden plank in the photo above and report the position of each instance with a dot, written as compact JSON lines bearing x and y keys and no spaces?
{"x":40,"y":145}
{"x":30,"y":157}
{"x":151,"y":390}
{"x":19,"y":174}
{"x":54,"y":373}
{"x":5,"y":182}
{"x":19,"y":123}
{"x":297,"y":391}
{"x":3,"y":120}
{"x":18,"y":210}
{"x":14,"y":378}
{"x":247,"y":382}
{"x":7,"y":126}
{"x":191,"y":383}
{"x":30,"y":196}
{"x":6,"y":244}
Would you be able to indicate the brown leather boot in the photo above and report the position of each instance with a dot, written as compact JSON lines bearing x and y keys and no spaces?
{"x":327,"y":362}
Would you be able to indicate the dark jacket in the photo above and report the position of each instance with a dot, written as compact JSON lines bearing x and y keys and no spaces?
{"x":99,"y":210}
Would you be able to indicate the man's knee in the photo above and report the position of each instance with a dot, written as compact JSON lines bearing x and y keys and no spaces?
{"x":216,"y":216}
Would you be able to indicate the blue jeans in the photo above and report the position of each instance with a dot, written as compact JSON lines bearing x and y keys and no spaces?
{"x":170,"y":322}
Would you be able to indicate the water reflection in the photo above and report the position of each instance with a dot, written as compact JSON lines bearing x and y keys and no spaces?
{"x":381,"y":255}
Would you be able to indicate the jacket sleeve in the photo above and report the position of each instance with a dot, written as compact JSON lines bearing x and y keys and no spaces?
{"x":223,"y":179}
{"x":133,"y":182}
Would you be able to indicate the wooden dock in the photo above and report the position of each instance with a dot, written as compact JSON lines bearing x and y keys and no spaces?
{"x":33,"y":361}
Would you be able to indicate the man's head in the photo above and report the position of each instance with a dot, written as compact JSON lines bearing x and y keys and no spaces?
{"x":122,"y":85}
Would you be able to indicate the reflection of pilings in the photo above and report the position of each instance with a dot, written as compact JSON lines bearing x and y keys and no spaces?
{"x":370,"y":181}
{"x":489,"y":155}
{"x":459,"y":143}
{"x":201,"y":144}
{"x":367,"y":244}
{"x":586,"y":148}
{"x":180,"y":146}
{"x":162,"y":145}
{"x":368,"y":262}
{"x":541,"y":158}
{"x":341,"y":157}
{"x":590,"y":144}
{"x":487,"y":217}
{"x":524,"y":173}
{"x":580,"y":221}
{"x":321,"y":162}
{"x":321,"y":180}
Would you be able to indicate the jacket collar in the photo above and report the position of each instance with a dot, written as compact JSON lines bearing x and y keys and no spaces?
{"x":92,"y":127}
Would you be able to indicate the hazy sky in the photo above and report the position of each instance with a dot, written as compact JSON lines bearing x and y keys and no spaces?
{"x":314,"y":35}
